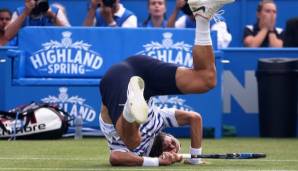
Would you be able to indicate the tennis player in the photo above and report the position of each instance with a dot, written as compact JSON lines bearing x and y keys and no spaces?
{"x":155,"y":148}
{"x":131,"y":125}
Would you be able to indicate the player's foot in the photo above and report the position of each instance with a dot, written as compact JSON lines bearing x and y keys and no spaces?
{"x":206,"y":8}
{"x":137,"y":105}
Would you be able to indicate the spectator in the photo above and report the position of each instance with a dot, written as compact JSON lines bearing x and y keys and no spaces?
{"x":157,"y":14}
{"x":109,"y":13}
{"x":63,"y":10}
{"x":5,"y":17}
{"x":291,"y":33}
{"x":188,"y":21}
{"x":35,"y":13}
{"x":264,"y":33}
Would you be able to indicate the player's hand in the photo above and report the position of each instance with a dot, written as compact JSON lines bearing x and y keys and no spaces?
{"x":29,"y":5}
{"x":168,"y":158}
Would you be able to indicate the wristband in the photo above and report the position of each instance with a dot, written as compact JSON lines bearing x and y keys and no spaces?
{"x":150,"y":161}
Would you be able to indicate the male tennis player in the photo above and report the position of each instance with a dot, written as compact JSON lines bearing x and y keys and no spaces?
{"x":129,"y":125}
{"x":156,"y":148}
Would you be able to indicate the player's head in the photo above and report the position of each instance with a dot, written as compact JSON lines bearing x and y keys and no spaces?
{"x":164,"y":143}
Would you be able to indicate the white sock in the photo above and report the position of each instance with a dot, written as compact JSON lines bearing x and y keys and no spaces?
{"x":195,"y":151}
{"x":126,"y":114}
{"x":203,"y":36}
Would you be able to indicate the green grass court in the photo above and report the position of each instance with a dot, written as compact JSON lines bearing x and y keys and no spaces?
{"x":91,"y":154}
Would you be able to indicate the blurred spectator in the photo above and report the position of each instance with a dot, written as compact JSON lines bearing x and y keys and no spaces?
{"x":264,"y":33}
{"x":291,"y":33}
{"x":35,"y":13}
{"x":63,"y":10}
{"x":157,"y":14}
{"x":5,"y":17}
{"x":187,"y":20}
{"x":109,"y":13}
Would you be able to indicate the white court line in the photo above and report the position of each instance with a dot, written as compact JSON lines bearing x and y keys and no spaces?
{"x":98,"y":159}
{"x":262,"y":160}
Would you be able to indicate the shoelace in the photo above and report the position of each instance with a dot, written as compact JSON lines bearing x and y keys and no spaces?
{"x":217,"y":17}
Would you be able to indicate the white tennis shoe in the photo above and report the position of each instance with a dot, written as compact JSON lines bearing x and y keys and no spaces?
{"x":206,"y":8}
{"x":137,"y":105}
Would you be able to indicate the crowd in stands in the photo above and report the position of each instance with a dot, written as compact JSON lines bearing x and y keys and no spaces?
{"x":112,"y":13}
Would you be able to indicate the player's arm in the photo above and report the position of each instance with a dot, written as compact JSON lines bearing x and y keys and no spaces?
{"x":119,"y":158}
{"x":194,"y":120}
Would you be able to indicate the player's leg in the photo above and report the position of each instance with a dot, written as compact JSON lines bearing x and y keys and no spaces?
{"x":122,"y":98}
{"x":203,"y":75}
{"x":134,"y":113}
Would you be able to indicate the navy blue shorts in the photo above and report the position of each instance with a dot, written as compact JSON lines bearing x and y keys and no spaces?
{"x":159,"y":78}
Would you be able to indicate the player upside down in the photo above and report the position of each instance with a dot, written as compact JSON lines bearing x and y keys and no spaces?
{"x":132,"y":127}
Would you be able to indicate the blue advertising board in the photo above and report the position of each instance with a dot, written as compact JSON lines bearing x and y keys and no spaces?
{"x":240,"y":89}
{"x":65,"y":65}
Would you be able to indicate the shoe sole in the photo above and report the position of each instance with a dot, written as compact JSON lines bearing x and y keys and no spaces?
{"x":135,"y":97}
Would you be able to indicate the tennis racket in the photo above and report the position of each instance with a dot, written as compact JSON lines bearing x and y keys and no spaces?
{"x":226,"y":156}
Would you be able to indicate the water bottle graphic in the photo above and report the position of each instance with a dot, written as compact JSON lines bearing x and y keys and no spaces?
{"x":78,"y":123}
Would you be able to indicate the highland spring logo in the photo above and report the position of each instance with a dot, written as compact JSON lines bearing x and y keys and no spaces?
{"x":66,"y":57}
{"x":74,"y":105}
{"x":168,"y":51}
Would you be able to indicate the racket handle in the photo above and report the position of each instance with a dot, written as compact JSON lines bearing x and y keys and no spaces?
{"x":185,"y":156}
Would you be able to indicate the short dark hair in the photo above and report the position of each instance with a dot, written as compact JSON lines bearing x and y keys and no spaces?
{"x":6,"y":10}
{"x":261,"y":4}
{"x":157,"y":147}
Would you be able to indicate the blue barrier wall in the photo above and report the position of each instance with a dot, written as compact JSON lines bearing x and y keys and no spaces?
{"x":240,"y":96}
{"x":65,"y":65}
{"x":239,"y":14}
{"x":4,"y":75}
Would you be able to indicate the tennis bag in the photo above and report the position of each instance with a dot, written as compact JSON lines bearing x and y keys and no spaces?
{"x":34,"y":121}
